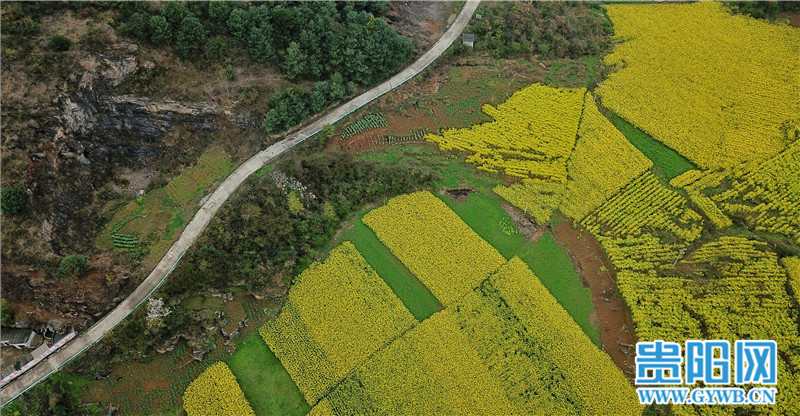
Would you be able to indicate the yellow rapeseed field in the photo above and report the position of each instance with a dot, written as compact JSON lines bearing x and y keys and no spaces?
{"x":493,"y":351}
{"x":532,"y":134}
{"x":430,"y":370}
{"x":591,"y":383}
{"x":434,"y":243}
{"x":644,"y":203}
{"x":714,"y":86}
{"x":216,"y":393}
{"x":602,"y":162}
{"x":792,"y":265}
{"x":339,"y":312}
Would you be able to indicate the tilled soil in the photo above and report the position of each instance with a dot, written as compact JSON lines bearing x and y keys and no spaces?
{"x":596,"y":271}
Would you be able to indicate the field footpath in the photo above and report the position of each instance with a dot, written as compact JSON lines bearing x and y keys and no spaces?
{"x":215,"y":201}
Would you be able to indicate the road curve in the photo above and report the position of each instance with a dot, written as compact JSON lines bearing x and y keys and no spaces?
{"x":204,"y":215}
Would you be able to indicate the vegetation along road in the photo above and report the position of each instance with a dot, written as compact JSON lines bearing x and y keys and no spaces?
{"x":214,"y":203}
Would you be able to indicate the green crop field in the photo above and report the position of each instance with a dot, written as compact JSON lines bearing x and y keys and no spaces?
{"x":266,"y":384}
{"x":552,"y":265}
{"x":667,"y":161}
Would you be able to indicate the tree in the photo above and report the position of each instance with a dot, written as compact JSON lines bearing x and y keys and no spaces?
{"x":327,"y":133}
{"x":59,"y":43}
{"x":218,"y":12}
{"x":73,"y":265}
{"x":216,"y":48}
{"x":156,"y":312}
{"x":337,"y":90}
{"x":174,"y":12}
{"x":258,"y":44}
{"x":13,"y":199}
{"x":190,"y":35}
{"x":160,"y":30}
{"x":294,"y":61}
{"x":287,"y":108}
{"x":139,"y":26}
{"x":238,"y":24}
{"x":6,"y":314}
{"x":319,"y":96}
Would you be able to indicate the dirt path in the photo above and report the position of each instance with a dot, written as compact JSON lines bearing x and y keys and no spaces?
{"x":214,"y":203}
{"x":615,"y":324}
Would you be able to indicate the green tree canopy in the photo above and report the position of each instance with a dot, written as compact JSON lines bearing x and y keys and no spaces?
{"x":160,"y":30}
{"x":191,"y":34}
{"x":13,"y":199}
{"x":73,"y":265}
{"x":174,"y":12}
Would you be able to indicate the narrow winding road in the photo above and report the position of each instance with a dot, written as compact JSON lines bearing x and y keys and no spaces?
{"x":203,"y":216}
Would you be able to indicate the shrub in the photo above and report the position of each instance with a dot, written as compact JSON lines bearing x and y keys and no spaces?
{"x":327,"y":133}
{"x":190,"y":34}
{"x":59,"y":43}
{"x":139,"y":26}
{"x":6,"y":315}
{"x":13,"y":199}
{"x":160,"y":30}
{"x":73,"y":265}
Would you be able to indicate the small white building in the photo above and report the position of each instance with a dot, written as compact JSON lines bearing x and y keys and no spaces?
{"x":468,"y":39}
{"x":16,"y":337}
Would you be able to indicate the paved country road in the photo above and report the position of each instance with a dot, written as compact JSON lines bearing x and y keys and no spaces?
{"x":213,"y":204}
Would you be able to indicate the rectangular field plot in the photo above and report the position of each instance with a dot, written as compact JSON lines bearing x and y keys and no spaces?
{"x":506,"y":347}
{"x":434,"y":243}
{"x":339,"y":312}
{"x":415,"y":296}
{"x":430,"y":370}
{"x":527,"y":338}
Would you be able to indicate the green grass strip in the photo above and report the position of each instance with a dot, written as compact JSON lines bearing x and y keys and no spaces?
{"x":414,"y":295}
{"x":666,"y":161}
{"x":266,"y":384}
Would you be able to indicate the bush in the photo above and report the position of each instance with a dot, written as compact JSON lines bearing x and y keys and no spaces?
{"x":139,"y":26}
{"x":59,"y":43}
{"x":6,"y":315}
{"x":216,"y":48}
{"x":174,"y":12}
{"x":73,"y":265}
{"x":160,"y":30}
{"x":191,"y":34}
{"x":327,"y":133}
{"x":287,"y":108}
{"x":13,"y":199}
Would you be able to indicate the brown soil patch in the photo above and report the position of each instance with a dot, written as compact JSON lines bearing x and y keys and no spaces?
{"x":610,"y":311}
{"x":526,"y":226}
{"x":458,"y":194}
{"x":403,"y":123}
{"x":793,"y":18}
{"x":421,"y":21}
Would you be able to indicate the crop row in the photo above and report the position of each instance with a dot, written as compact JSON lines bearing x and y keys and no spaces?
{"x":368,"y":122}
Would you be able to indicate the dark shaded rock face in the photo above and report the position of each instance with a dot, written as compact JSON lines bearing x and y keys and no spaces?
{"x":95,"y":133}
